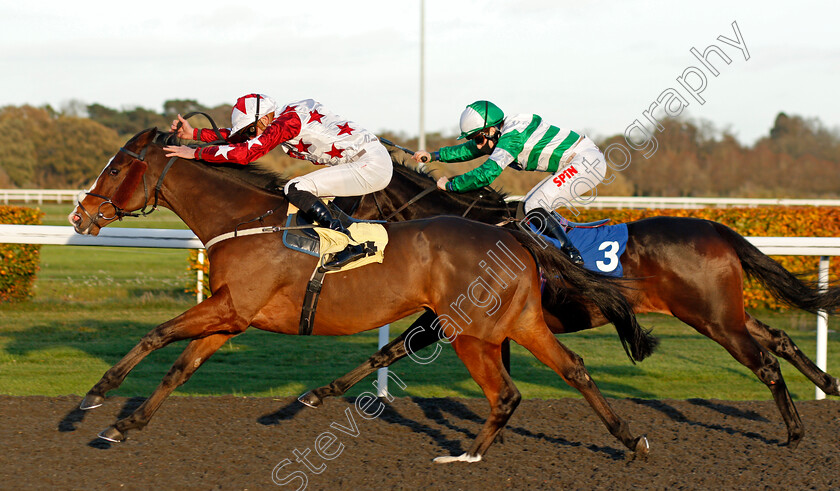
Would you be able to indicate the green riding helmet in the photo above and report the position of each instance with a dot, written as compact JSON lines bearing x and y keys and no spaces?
{"x":478,"y":116}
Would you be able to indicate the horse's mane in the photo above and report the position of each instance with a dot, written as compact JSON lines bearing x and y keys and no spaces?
{"x":253,"y":174}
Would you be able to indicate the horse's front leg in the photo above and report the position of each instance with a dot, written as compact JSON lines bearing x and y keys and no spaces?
{"x":569,"y":365}
{"x":212,"y":315}
{"x":195,"y":354}
{"x":423,"y":336}
{"x":483,"y":359}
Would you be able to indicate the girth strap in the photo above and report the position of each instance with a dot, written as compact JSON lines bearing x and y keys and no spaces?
{"x":310,"y":301}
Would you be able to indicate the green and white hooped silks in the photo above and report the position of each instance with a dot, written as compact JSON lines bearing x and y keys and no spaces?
{"x":575,"y":181}
{"x":528,"y":143}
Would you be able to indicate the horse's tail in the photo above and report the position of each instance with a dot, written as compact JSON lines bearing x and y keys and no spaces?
{"x":785,"y":286}
{"x":604,"y":291}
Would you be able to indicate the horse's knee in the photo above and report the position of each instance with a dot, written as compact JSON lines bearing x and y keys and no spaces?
{"x":769,"y":372}
{"x":576,"y":372}
{"x":509,"y":398}
{"x":153,"y":340}
{"x":784,"y":345}
{"x":385,"y":358}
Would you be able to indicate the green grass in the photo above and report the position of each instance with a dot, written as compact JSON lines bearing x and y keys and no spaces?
{"x":66,"y":350}
{"x":92,"y":304}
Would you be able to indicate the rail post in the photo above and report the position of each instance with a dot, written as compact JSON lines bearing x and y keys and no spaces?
{"x":822,"y":325}
{"x":382,"y":373}
{"x":199,"y":277}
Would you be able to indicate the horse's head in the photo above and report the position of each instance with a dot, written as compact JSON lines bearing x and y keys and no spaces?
{"x":117,"y":192}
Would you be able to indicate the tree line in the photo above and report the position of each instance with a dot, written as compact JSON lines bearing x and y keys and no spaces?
{"x":799,"y":158}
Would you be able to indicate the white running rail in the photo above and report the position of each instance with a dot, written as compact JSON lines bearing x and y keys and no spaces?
{"x":185,"y":239}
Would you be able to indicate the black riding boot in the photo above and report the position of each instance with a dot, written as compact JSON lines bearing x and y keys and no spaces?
{"x":557,"y":231}
{"x":323,"y":216}
{"x":313,"y":208}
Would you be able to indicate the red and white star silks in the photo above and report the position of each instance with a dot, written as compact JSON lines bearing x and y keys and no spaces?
{"x":306,"y":129}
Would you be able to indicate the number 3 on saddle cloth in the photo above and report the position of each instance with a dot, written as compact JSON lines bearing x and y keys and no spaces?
{"x":600,"y":246}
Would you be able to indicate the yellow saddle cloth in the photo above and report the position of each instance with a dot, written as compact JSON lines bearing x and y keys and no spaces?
{"x":333,"y":241}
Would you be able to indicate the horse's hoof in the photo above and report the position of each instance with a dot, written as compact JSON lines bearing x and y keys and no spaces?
{"x":112,"y":435}
{"x":794,"y":441}
{"x":310,"y":399}
{"x":91,"y":401}
{"x":464,"y":457}
{"x":641,"y":448}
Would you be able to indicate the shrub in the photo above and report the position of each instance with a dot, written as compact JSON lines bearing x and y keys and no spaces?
{"x":18,"y":262}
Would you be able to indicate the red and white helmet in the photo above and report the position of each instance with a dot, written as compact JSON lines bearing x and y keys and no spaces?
{"x":249,"y":109}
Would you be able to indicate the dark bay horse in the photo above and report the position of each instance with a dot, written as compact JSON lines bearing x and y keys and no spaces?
{"x":257,"y":281}
{"x":689,"y":268}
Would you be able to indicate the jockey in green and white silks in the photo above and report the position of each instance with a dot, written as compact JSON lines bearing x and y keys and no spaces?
{"x":525,"y":142}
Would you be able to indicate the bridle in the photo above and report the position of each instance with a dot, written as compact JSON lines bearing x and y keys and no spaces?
{"x":119,"y":212}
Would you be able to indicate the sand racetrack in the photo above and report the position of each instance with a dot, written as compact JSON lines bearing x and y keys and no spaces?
{"x":237,"y":443}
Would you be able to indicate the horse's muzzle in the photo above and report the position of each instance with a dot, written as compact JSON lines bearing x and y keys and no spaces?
{"x":80,"y":226}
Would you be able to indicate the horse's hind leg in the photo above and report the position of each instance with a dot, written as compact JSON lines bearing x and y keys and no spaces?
{"x":570,"y":367}
{"x":198,"y":320}
{"x":484,"y":362}
{"x":423,"y":336}
{"x":194,"y":355}
{"x":728,"y":329}
{"x":752,"y":355}
{"x":780,"y":344}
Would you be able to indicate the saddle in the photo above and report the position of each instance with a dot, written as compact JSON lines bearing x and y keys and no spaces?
{"x":310,"y":240}
{"x":307,"y":240}
{"x":601,"y":245}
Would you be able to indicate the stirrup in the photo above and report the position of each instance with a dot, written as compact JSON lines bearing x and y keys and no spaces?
{"x":350,"y":254}
{"x":573,"y":254}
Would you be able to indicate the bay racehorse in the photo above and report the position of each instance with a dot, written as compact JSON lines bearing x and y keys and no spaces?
{"x":256,"y":281}
{"x":689,"y":268}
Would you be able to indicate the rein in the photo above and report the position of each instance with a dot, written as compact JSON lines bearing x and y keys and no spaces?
{"x":472,"y":204}
{"x":220,"y":139}
{"x":406,"y":204}
{"x":415,"y":199}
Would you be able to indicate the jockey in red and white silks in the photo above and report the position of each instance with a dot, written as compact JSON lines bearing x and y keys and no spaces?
{"x":357,"y":163}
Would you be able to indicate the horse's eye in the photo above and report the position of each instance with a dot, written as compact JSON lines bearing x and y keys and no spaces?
{"x":114,"y":172}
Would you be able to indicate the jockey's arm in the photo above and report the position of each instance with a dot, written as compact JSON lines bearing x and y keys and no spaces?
{"x":477,"y":178}
{"x":460,"y":153}
{"x":208,"y":135}
{"x":184,"y":130}
{"x":509,"y":144}
{"x":283,"y":128}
